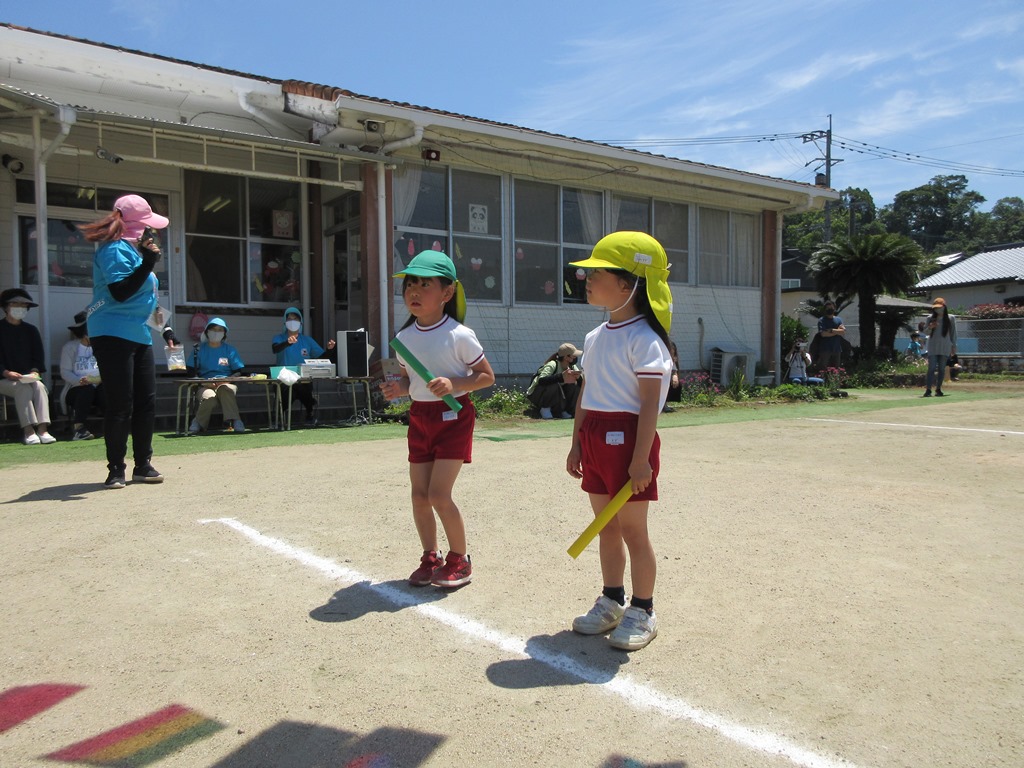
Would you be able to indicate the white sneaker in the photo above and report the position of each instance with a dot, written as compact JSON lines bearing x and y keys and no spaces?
{"x":46,"y":438}
{"x":605,"y":615}
{"x":566,"y":415}
{"x":637,"y":629}
{"x":194,"y":428}
{"x":545,"y":413}
{"x":30,"y":439}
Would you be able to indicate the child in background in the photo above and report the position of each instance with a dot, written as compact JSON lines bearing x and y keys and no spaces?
{"x":627,"y":367}
{"x":293,"y":347}
{"x":217,"y":360}
{"x":914,"y":349}
{"x":440,"y":439}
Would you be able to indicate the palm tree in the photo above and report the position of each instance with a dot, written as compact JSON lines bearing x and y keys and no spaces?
{"x":867,"y":265}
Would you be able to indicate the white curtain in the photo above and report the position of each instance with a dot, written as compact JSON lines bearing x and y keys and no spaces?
{"x":592,"y":215}
{"x":744,"y":231}
{"x":406,"y":191}
{"x":713,"y":257}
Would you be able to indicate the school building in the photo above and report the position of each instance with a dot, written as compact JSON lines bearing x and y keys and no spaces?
{"x":284,"y":193}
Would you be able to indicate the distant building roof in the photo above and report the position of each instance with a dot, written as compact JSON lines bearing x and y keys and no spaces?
{"x":1006,"y":264}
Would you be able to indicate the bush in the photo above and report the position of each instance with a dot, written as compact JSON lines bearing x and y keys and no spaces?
{"x":994,"y":311}
{"x":502,"y":402}
{"x":697,"y":388}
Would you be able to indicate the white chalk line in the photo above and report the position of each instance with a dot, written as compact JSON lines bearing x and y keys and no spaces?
{"x":919,"y":426}
{"x":636,"y":694}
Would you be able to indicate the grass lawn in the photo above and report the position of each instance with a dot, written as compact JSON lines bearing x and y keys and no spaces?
{"x":515,"y":428}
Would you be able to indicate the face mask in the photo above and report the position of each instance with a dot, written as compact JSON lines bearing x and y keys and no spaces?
{"x":292,"y":325}
{"x":17,"y":313}
{"x":215,"y":336}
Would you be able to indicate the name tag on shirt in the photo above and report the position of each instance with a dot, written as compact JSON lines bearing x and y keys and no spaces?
{"x":615,"y":438}
{"x":449,"y":416}
{"x":222,"y":361}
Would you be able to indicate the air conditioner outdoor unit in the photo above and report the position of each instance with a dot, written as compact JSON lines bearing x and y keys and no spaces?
{"x":725,"y":363}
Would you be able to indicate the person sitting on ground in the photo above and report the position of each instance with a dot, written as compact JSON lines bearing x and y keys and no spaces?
{"x":81,"y":374}
{"x":215,"y":359}
{"x":557,"y":383}
{"x":293,"y":347}
{"x":798,"y":361}
{"x":21,"y":362}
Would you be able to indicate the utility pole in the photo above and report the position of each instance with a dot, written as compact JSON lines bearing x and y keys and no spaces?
{"x":824,"y":179}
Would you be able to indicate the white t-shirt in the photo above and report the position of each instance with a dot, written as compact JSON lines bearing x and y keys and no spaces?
{"x":615,"y":358}
{"x":447,"y":349}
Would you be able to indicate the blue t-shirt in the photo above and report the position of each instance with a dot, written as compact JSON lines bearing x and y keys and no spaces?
{"x":297,"y":353}
{"x":830,"y":343}
{"x":217,"y":363}
{"x":115,"y":261}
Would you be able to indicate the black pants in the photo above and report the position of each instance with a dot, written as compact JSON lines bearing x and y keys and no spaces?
{"x":303,"y":392}
{"x":81,"y":400}
{"x":129,"y":383}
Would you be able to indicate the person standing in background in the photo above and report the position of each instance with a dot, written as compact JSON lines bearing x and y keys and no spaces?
{"x":830,"y":345}
{"x":941,"y":344}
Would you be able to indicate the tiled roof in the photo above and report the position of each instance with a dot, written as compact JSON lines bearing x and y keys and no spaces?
{"x":989,"y":267}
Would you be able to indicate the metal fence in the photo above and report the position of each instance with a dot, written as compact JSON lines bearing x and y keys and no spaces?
{"x":1003,"y":337}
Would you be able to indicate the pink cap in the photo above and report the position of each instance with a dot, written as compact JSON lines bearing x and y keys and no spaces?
{"x":137,"y":215}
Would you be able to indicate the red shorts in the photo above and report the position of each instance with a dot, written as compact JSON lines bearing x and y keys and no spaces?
{"x":606,"y":443}
{"x":433,"y":435}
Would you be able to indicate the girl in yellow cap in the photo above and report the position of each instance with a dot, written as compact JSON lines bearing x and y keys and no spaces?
{"x":627,"y":369}
{"x":440,"y":438}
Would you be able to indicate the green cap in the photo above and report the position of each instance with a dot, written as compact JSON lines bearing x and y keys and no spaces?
{"x":437,"y":264}
{"x":430,"y":264}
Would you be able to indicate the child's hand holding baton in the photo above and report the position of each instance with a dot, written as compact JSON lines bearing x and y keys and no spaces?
{"x":422,"y":371}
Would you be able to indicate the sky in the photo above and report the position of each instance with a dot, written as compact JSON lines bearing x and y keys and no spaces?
{"x":914,"y":89}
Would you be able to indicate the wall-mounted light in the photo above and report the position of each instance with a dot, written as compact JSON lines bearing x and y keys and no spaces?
{"x":13,"y":164}
{"x":111,"y":157}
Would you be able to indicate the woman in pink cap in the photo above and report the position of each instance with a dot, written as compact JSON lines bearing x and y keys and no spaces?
{"x":123,"y":309}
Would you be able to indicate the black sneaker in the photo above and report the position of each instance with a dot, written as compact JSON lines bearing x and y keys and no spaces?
{"x":146,"y":474}
{"x":83,"y":434}
{"x":115,"y":479}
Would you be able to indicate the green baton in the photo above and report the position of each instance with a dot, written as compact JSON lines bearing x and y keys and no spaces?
{"x":422,"y":371}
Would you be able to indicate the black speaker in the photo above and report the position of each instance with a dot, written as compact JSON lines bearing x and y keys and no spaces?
{"x":352,"y":355}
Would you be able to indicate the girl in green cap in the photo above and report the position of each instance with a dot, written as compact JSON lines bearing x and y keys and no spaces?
{"x":627,"y":368}
{"x":440,"y":439}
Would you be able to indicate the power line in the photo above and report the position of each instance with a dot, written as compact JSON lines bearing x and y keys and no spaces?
{"x":850,"y":145}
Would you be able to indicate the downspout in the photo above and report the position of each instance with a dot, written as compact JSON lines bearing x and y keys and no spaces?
{"x":259,"y":114}
{"x":384,"y":242}
{"x":66,"y":117}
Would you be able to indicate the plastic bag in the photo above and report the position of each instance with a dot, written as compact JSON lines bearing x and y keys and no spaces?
{"x":287,"y":377}
{"x":175,"y":358}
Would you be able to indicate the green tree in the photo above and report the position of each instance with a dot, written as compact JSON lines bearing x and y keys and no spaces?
{"x":1004,"y":223}
{"x":866,"y":266}
{"x":940,"y":216}
{"x":855,"y":211}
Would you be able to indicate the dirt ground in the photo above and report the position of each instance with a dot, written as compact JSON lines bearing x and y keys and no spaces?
{"x":830,"y":593}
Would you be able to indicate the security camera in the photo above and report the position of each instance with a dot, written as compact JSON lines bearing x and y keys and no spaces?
{"x":110,"y":157}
